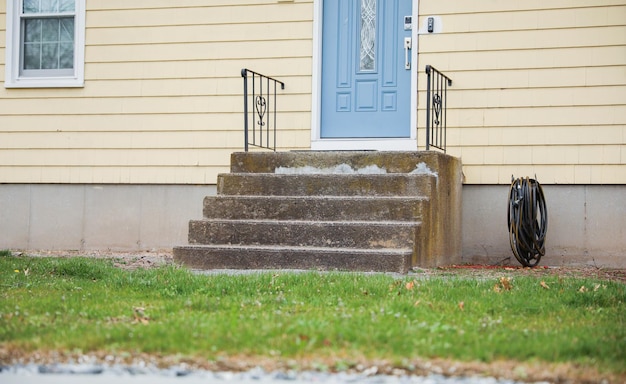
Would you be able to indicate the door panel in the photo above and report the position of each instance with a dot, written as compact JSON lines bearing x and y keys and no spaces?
{"x":365,"y":85}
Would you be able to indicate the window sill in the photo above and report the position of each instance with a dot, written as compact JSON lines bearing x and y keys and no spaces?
{"x":45,"y":82}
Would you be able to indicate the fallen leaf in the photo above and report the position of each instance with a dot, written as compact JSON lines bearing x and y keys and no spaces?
{"x":544,"y":285}
{"x":395,"y":285}
{"x":582,"y":289}
{"x":503,"y":284}
{"x":417,"y":303}
{"x":596,"y":287}
{"x":409,"y":286}
{"x":506,"y":283}
{"x":461,"y":305}
{"x":140,"y":316}
{"x":26,"y":271}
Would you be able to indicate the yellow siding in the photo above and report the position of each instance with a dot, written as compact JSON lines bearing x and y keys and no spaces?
{"x":162,"y":101}
{"x":539,"y":88}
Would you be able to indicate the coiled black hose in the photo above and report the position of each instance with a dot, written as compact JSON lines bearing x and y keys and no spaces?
{"x":528,"y":221}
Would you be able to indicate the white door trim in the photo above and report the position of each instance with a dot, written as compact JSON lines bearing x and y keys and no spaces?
{"x":317,"y":143}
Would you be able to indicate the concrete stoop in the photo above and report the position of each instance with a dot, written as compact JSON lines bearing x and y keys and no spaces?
{"x":356,"y":210}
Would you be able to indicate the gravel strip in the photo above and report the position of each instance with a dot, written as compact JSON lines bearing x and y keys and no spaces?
{"x":96,"y":374}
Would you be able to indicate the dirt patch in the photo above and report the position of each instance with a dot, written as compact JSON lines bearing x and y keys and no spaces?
{"x":487,"y":272}
{"x":124,"y":260}
{"x":157,"y":258}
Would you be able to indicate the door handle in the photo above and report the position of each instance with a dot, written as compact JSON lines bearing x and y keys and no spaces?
{"x":407,"y":48}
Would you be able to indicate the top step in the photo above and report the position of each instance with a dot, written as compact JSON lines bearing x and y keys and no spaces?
{"x":269,"y":184}
{"x":340,"y":161}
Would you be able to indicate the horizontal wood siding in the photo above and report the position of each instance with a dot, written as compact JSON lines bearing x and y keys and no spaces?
{"x":539,"y":88}
{"x":162,"y":101}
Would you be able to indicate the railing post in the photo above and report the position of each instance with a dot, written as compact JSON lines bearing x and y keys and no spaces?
{"x":244,"y":74}
{"x":428,"y":107}
{"x":253,"y":107}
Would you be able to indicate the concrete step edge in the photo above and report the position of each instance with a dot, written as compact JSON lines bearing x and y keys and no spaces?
{"x":327,"y":175}
{"x":208,"y":247}
{"x":350,"y":259}
{"x":323,"y":197}
{"x":311,"y":222}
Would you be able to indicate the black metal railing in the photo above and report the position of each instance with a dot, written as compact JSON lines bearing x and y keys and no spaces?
{"x":436,"y":104}
{"x":263,"y":112}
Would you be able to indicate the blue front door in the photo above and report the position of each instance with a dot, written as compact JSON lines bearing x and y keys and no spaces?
{"x":366,"y":75}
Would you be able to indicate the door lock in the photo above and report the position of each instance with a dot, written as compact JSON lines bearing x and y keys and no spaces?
{"x":407,"y":56}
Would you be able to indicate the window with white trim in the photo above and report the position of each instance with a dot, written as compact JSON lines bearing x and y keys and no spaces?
{"x":45,"y":43}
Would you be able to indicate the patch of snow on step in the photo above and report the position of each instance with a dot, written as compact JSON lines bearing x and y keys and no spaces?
{"x":341,"y":169}
{"x":422,"y":169}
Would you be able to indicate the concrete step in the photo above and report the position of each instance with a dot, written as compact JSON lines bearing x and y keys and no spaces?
{"x":266,"y":184}
{"x":351,"y":210}
{"x":332,"y":234}
{"x":329,"y":208}
{"x":271,"y":257}
{"x":324,"y":161}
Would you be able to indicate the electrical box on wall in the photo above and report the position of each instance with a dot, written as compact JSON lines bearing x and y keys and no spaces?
{"x":431,"y":24}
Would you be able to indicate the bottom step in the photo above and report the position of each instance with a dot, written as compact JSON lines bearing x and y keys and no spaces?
{"x":270,"y":257}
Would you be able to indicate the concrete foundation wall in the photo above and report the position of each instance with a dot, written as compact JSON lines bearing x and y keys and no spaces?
{"x":586,"y":223}
{"x":97,"y":217}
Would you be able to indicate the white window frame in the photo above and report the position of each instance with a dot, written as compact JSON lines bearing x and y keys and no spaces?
{"x":13,"y":76}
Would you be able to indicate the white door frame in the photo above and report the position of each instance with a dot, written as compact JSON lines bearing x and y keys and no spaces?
{"x":390,"y":144}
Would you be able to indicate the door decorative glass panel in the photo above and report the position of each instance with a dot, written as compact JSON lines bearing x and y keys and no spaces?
{"x":367,"y":49}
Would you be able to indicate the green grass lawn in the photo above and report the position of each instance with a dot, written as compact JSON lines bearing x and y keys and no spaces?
{"x":89,"y":305}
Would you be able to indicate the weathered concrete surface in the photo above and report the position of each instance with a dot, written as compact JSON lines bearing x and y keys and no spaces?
{"x":446,"y":198}
{"x":399,"y":208}
{"x":269,"y":201}
{"x":263,"y":184}
{"x":392,"y":162}
{"x":314,"y":258}
{"x":333,"y":234}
